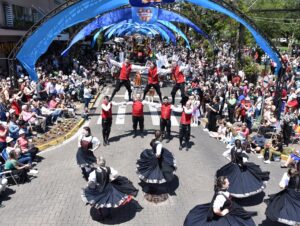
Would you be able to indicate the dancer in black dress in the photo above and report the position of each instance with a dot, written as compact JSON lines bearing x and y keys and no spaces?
{"x":284,"y":206}
{"x":222,"y":211}
{"x":87,"y":144}
{"x":106,"y":189}
{"x":246,"y":178}
{"x":156,"y":168}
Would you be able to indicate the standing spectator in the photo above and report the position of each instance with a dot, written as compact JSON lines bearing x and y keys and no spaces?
{"x":289,"y":119}
{"x":231,"y":105}
{"x":213,"y":114}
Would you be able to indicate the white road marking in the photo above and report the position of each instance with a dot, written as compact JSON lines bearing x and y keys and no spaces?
{"x":126,"y":97}
{"x":120,"y":120}
{"x":157,"y":97}
{"x":174,"y":121}
{"x":99,"y":121}
{"x":154,"y":116}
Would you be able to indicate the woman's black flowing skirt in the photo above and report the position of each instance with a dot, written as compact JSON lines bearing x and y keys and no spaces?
{"x":85,"y":157}
{"x":246,"y":180}
{"x":113,"y":195}
{"x":237,"y":216}
{"x":125,"y":186}
{"x":152,"y":170}
{"x":284,"y":207}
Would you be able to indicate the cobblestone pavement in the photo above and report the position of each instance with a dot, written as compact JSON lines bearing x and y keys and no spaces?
{"x":53,"y":198}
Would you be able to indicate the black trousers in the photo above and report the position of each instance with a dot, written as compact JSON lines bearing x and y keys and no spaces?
{"x":106,"y":127}
{"x":119,"y":84}
{"x":157,"y":89}
{"x":165,"y":124}
{"x":138,"y":120}
{"x":176,"y":87}
{"x":287,"y":133}
{"x":184,"y":133}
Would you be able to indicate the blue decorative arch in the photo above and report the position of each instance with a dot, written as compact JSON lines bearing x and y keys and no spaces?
{"x":126,"y":14}
{"x":38,"y":43}
{"x":177,"y":30}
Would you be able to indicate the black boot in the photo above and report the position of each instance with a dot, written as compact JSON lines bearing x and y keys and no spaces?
{"x":134,"y":134}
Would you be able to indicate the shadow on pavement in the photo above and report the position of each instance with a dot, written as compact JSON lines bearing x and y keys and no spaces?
{"x":5,"y":196}
{"x":117,"y":215}
{"x":252,"y":200}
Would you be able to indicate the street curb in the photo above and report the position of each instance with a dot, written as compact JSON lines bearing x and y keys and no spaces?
{"x":73,"y":131}
{"x":282,"y":157}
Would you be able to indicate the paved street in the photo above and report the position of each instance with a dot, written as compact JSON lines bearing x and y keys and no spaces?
{"x":53,"y":198}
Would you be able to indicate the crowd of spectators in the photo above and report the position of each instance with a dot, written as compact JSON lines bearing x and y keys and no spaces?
{"x":32,"y":108}
{"x":234,"y":106}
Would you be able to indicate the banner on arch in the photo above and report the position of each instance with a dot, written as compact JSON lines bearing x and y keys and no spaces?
{"x":143,"y":3}
{"x":144,"y":14}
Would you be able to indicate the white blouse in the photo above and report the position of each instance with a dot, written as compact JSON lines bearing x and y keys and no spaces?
{"x":284,"y":180}
{"x":112,"y":176}
{"x":220,"y":199}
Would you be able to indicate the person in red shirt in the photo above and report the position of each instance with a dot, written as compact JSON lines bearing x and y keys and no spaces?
{"x":185,"y":125}
{"x":124,"y":78}
{"x":236,"y":80}
{"x":137,"y":114}
{"x":106,"y":115}
{"x":177,"y":74}
{"x":153,"y":81}
{"x":165,"y":117}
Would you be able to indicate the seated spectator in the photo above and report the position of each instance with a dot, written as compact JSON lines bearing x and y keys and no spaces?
{"x":293,"y":158}
{"x":269,"y":117}
{"x":3,"y":135}
{"x":15,"y":105}
{"x":41,"y":91}
{"x":244,"y":131}
{"x":22,"y":169}
{"x":11,"y":146}
{"x":26,"y":148}
{"x":28,"y":91}
{"x":221,"y":133}
{"x":268,"y":153}
{"x":13,"y":127}
{"x":32,"y":118}
{"x":258,"y":142}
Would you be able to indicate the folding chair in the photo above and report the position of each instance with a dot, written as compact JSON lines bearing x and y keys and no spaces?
{"x":8,"y":174}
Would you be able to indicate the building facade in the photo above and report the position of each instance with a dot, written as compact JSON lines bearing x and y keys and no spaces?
{"x":16,"y":17}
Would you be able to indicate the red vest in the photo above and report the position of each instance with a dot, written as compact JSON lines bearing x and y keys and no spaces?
{"x":152,"y":76}
{"x":15,"y":106}
{"x":106,"y":114}
{"x":137,"y":109}
{"x":179,"y":77}
{"x":166,"y":111}
{"x":185,"y":118}
{"x":125,"y":72}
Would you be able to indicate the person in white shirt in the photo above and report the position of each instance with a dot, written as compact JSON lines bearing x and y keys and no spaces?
{"x":87,"y":144}
{"x":106,"y":189}
{"x":222,"y":211}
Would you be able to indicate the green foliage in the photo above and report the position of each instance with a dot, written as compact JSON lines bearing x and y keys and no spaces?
{"x":274,"y":24}
{"x":251,"y":69}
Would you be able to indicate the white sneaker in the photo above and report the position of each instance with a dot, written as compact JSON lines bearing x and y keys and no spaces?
{"x":260,"y":156}
{"x":33,"y":171}
{"x":267,"y":161}
{"x":205,"y":130}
